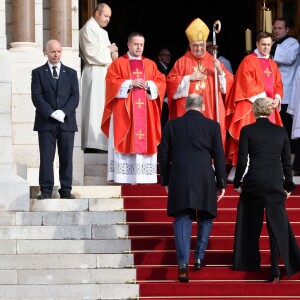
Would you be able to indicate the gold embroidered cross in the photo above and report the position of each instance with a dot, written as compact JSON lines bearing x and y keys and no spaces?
{"x":200,"y":85}
{"x":199,"y":67}
{"x":267,"y":72}
{"x":139,"y":103}
{"x":137,"y":73}
{"x":140,"y":134}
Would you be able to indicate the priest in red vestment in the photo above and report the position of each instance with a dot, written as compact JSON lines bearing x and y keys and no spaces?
{"x":194,"y":72}
{"x":131,"y":119}
{"x":257,"y":76}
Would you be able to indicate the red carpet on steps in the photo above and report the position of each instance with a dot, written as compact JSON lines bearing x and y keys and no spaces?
{"x":152,"y":243}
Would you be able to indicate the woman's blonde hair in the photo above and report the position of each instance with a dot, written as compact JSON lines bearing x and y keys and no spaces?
{"x":262,"y":107}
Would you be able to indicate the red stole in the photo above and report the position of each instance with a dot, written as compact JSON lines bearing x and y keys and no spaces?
{"x":139,"y":104}
{"x":268,"y":77}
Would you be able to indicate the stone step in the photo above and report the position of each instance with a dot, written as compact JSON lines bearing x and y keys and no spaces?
{"x":66,"y":246}
{"x":97,"y":180}
{"x":95,"y":170}
{"x":69,"y":292}
{"x":95,"y":159}
{"x":91,"y":204}
{"x":8,"y":277}
{"x":112,"y":213}
{"x":65,"y":261}
{"x":19,"y":232}
{"x":83,"y":192}
{"x":51,"y":218}
{"x":76,"y":276}
{"x":67,"y":276}
{"x":68,"y":249}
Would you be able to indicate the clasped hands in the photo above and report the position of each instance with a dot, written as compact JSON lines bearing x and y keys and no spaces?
{"x":196,"y":76}
{"x":275,"y":102}
{"x":58,"y":115}
{"x":139,"y":84}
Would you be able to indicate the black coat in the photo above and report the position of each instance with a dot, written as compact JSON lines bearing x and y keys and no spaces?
{"x":188,"y":146}
{"x":47,"y":97}
{"x":263,"y":188}
{"x":162,"y":69}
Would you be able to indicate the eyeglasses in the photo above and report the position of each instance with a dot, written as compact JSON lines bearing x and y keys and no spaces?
{"x":198,"y":45}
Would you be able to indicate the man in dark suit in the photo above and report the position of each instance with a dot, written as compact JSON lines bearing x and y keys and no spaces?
{"x":163,"y":65}
{"x":55,"y":95}
{"x":193,"y":169}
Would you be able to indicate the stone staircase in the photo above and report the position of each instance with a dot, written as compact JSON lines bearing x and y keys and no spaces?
{"x":68,"y":249}
{"x":95,"y":169}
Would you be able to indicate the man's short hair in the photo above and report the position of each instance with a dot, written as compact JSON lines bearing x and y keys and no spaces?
{"x":134,"y":34}
{"x":99,"y":7}
{"x":193,"y":100}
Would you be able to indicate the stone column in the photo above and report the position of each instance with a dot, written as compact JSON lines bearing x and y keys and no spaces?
{"x":23,"y":24}
{"x":23,"y":20}
{"x":14,"y":191}
{"x":61,"y":22}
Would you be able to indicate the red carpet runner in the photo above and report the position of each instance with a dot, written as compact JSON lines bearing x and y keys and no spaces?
{"x":151,"y":233}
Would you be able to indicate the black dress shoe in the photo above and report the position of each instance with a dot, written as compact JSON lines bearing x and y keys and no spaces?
{"x":44,"y":196}
{"x":183,"y":275}
{"x":275,"y":271}
{"x":67,"y":196}
{"x":198,"y":264}
{"x":274,"y":278}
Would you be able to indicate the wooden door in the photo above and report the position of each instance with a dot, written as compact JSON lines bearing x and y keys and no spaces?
{"x":86,"y":8}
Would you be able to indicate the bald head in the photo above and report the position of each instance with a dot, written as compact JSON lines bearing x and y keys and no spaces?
{"x":53,"y":43}
{"x":53,"y":51}
{"x":102,"y":14}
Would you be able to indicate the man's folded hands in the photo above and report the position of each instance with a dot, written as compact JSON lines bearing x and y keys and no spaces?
{"x":58,"y":115}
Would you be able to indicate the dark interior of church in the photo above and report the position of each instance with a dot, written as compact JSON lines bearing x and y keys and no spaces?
{"x":163,"y":24}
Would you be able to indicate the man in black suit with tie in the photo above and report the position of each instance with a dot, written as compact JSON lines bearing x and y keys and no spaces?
{"x":193,"y":169}
{"x":55,"y":95}
{"x":164,"y":66}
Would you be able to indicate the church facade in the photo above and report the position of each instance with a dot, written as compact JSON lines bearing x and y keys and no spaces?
{"x":25,"y":27}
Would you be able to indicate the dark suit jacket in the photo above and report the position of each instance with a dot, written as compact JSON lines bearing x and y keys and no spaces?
{"x":47,"y":97}
{"x":162,"y":69}
{"x":188,"y":146}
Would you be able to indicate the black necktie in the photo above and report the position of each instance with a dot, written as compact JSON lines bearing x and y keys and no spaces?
{"x":54,"y":74}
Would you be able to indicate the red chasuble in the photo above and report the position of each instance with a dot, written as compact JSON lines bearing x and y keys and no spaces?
{"x":133,"y":134}
{"x":253,"y":77}
{"x":186,"y":65}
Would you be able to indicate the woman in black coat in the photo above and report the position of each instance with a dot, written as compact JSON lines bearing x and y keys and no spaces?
{"x":266,"y":185}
